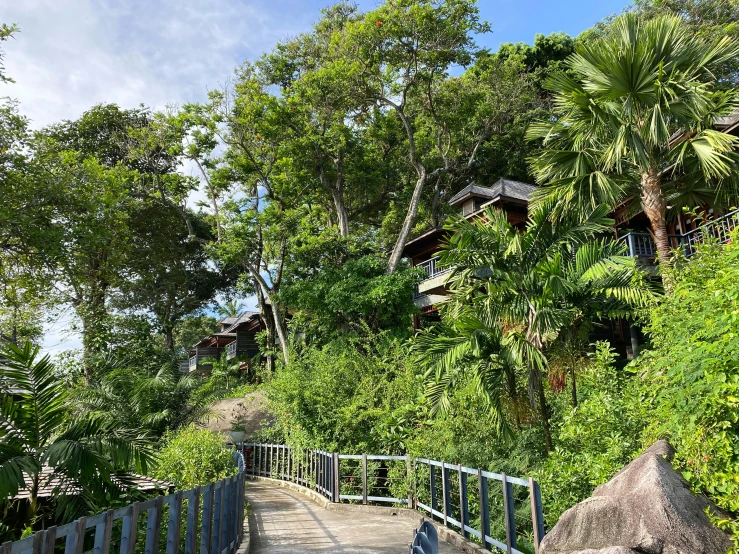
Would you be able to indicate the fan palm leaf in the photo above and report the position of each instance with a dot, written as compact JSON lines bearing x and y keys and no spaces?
{"x":632,"y":121}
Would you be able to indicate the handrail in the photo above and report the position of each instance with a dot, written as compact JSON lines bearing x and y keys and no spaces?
{"x":220,"y":523}
{"x":231,"y":350}
{"x":430,"y":267}
{"x":387,"y":479}
{"x":641,"y":244}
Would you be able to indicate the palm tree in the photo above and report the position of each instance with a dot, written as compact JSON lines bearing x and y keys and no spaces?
{"x":513,"y":293}
{"x":39,"y":429}
{"x":230,"y":308}
{"x":155,"y":402}
{"x":633,"y":121}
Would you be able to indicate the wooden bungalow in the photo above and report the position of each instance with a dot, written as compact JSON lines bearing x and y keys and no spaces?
{"x":510,"y":196}
{"x":235,"y":340}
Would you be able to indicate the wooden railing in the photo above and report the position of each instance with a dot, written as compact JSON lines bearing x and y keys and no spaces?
{"x":493,"y":509}
{"x":213,"y":516}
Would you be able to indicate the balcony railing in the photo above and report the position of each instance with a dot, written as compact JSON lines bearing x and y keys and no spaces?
{"x":431,"y":267}
{"x":231,"y":350}
{"x":719,"y":230}
{"x":642,"y":244}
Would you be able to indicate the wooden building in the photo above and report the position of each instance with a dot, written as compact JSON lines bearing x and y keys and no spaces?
{"x":510,"y":196}
{"x":236,"y":340}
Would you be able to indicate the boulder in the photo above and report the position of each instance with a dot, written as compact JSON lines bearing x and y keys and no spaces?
{"x":646,"y":508}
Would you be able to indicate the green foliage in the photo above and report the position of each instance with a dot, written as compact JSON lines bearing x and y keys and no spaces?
{"x":6,"y":32}
{"x":192,"y":457}
{"x":616,"y":115}
{"x":691,"y":374}
{"x":353,"y":295}
{"x":709,"y":19}
{"x":358,"y":394}
{"x":42,"y":429}
{"x":597,"y":438}
{"x":514,"y":293}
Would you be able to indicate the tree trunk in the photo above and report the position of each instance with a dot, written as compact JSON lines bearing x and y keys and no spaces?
{"x":410,"y":219}
{"x":168,"y":337}
{"x":341,"y":214}
{"x":573,"y":384}
{"x":275,"y":316}
{"x":544,"y":410}
{"x":655,"y":208}
{"x":513,"y":393}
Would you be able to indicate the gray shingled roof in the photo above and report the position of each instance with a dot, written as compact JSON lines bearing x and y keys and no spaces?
{"x":503,"y":187}
{"x":246,"y":316}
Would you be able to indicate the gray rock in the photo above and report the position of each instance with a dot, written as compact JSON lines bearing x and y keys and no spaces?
{"x":646,"y":508}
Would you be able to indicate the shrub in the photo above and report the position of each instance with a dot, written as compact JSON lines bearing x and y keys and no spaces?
{"x":193,"y":457}
{"x":691,"y":375}
{"x":597,"y":438}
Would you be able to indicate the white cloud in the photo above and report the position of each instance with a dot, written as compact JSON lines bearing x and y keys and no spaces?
{"x":73,"y":54}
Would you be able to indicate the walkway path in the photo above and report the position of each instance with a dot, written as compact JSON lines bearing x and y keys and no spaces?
{"x":286,"y":521}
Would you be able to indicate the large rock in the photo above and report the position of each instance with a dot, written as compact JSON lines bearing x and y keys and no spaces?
{"x":646,"y":508}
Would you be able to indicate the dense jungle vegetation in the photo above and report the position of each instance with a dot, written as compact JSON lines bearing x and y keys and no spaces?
{"x":316,"y":165}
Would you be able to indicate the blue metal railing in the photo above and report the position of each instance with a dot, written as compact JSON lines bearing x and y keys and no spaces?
{"x":507,"y":512}
{"x":213,"y":516}
{"x":642,"y":245}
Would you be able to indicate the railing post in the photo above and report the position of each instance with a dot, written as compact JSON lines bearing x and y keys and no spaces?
{"x":464,"y":512}
{"x":173,"y":524}
{"x":630,"y":242}
{"x":432,"y":489}
{"x":227,"y":491}
{"x":337,"y":478}
{"x":510,"y":515}
{"x":103,"y":534}
{"x":446,"y":497}
{"x":128,"y":533}
{"x":411,"y":480}
{"x":153,"y":527}
{"x":364,"y":478}
{"x":193,"y":509}
{"x":50,"y":538}
{"x":38,"y":542}
{"x":537,"y":513}
{"x":484,"y":510}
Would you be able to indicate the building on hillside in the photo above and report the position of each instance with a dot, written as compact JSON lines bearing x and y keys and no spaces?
{"x":236,"y":339}
{"x":510,"y":196}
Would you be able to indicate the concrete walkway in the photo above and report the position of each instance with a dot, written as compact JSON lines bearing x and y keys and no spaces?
{"x":286,"y":521}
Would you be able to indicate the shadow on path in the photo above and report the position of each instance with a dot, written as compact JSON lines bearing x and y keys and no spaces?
{"x":285,"y":521}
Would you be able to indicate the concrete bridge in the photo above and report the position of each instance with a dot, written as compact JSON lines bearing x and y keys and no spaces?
{"x":284,"y":520}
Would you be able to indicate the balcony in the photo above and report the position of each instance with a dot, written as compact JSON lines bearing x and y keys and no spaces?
{"x":231,"y":350}
{"x":431,"y":268}
{"x":642,"y":245}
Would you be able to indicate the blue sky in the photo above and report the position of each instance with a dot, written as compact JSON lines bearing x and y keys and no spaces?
{"x":72,"y":54}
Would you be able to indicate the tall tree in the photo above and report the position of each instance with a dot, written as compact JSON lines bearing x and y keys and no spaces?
{"x":397,"y":59}
{"x":635,"y":123}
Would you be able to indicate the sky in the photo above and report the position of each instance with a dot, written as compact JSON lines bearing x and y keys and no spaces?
{"x":72,"y":54}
